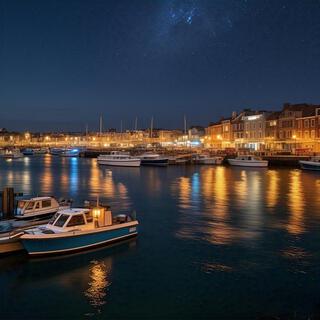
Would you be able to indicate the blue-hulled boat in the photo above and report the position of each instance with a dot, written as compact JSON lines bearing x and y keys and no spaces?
{"x":312,"y":164}
{"x":78,"y":229}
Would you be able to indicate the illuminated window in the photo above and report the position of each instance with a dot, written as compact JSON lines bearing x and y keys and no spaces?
{"x":306,"y":134}
{"x":313,"y":134}
{"x":312,"y":122}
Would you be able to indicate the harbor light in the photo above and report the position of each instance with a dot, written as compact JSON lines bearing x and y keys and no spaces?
{"x":96,"y":212}
{"x":294,"y":136}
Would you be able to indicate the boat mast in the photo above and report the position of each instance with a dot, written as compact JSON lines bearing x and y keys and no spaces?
{"x":100,"y":125}
{"x":151,"y":127}
{"x":136,"y":124}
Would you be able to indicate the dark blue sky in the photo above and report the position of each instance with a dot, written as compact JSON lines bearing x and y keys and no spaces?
{"x":62,"y":63}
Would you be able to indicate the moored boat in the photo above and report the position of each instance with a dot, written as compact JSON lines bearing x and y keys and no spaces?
{"x":27,"y":152}
{"x":56,"y":151}
{"x":11,"y":154}
{"x":117,"y":158}
{"x":70,"y":153}
{"x":207,"y":159}
{"x":312,"y":164}
{"x":78,"y":229}
{"x":153,"y":159}
{"x":248,"y":161}
{"x":39,"y":207}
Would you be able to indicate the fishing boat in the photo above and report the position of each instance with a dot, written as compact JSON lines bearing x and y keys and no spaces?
{"x":153,"y":159}
{"x":39,"y":207}
{"x":207,"y":159}
{"x":248,"y":161}
{"x":312,"y":164}
{"x":78,"y":229}
{"x":117,"y":158}
{"x":70,"y":153}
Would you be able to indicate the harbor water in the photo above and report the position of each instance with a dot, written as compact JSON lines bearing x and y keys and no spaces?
{"x":214,"y":242}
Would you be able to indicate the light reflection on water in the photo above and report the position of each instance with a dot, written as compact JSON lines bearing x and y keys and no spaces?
{"x":99,"y":272}
{"x":206,"y":234}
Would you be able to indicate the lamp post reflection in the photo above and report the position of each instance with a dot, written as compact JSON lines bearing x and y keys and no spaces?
{"x":99,"y":273}
{"x":296,"y":204}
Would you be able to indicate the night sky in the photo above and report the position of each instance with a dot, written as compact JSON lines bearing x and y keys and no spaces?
{"x":62,"y":63}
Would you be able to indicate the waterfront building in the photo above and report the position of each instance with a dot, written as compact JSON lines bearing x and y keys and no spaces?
{"x":290,"y":117}
{"x":254,"y":130}
{"x":272,"y":131}
{"x":214,"y":135}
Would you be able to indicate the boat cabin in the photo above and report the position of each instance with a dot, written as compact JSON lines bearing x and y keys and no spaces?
{"x":36,"y":206}
{"x":80,"y":219}
{"x":248,"y":158}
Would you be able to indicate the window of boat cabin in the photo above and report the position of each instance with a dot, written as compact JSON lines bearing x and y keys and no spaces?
{"x":37,"y":205}
{"x":21,"y":204}
{"x":30,"y":205}
{"x":76,"y":220}
{"x":61,"y":220}
{"x":54,"y":218}
{"x":46,"y":203}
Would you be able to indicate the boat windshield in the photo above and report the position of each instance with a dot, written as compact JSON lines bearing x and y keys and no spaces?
{"x":54,"y":218}
{"x":61,"y":220}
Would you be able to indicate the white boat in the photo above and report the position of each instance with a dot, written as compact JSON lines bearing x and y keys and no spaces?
{"x":248,"y":161}
{"x":153,"y":159}
{"x":11,"y":154}
{"x":312,"y":164}
{"x":117,"y":158}
{"x":78,"y":229}
{"x":39,"y":207}
{"x":207,"y":159}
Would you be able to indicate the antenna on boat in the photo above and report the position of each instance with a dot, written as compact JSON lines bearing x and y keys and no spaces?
{"x":97,"y":200}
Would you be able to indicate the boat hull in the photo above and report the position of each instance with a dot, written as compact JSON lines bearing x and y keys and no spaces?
{"x":119,"y":163}
{"x":248,"y":163}
{"x":155,"y":162}
{"x":55,"y":244}
{"x":10,"y":246}
{"x":310,"y":165}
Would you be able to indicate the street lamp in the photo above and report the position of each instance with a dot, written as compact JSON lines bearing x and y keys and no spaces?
{"x":295,"y":143}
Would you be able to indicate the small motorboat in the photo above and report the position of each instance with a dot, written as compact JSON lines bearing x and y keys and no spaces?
{"x":70,"y":153}
{"x":78,"y":229}
{"x":39,"y":207}
{"x":117,"y":158}
{"x":312,"y":164}
{"x":207,"y":159}
{"x":248,"y":161}
{"x":153,"y":159}
{"x":27,"y":152}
